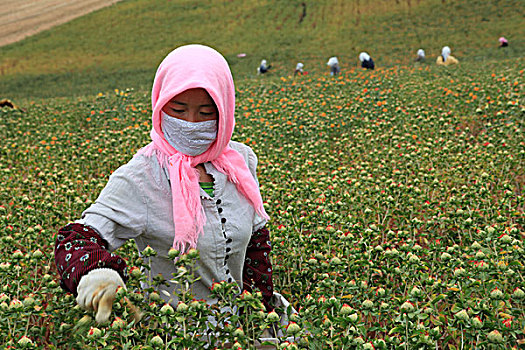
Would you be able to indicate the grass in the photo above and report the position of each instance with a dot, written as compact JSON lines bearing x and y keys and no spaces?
{"x":121,"y":46}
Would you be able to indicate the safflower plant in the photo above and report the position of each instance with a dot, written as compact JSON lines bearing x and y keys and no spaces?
{"x":396,"y":199}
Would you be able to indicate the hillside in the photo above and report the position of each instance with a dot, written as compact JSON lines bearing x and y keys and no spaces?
{"x":120,"y":46}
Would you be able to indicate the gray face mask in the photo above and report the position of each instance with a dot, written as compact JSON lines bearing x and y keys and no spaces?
{"x":189,"y":138}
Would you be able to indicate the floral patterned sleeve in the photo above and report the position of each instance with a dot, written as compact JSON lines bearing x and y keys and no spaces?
{"x":80,"y":249}
{"x":257,"y":272}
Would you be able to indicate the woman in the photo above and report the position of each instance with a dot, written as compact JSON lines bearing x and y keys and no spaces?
{"x":333,"y":63}
{"x":420,"y":55}
{"x":191,"y":187}
{"x":299,"y":69}
{"x":366,"y":61}
{"x":263,"y":67}
{"x":446,"y":59}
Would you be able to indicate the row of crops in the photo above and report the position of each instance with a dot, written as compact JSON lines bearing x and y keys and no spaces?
{"x":396,"y":200}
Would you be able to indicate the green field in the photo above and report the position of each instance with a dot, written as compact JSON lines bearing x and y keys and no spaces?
{"x":402,"y":185}
{"x":395,"y":196}
{"x":122,"y":45}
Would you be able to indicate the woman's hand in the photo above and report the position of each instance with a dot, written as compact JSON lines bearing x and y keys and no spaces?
{"x":97,"y":290}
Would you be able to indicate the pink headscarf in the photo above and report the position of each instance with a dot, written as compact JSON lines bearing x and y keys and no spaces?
{"x":189,"y":67}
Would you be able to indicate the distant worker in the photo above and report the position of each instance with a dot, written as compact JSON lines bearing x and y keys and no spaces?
{"x":263,"y":68}
{"x":503,"y":42}
{"x":333,"y":63}
{"x":420,"y":55}
{"x":366,"y":60}
{"x":446,"y":59}
{"x":299,"y":69}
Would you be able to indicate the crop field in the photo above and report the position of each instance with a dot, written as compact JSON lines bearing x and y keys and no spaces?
{"x":122,"y":44}
{"x":396,"y":203}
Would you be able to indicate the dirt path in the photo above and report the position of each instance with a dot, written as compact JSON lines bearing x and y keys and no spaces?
{"x":22,"y":18}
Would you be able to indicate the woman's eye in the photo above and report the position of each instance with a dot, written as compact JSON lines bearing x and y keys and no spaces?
{"x":178,"y":111}
{"x":207,"y":113}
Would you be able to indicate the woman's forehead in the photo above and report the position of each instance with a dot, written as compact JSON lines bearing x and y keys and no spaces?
{"x":198,"y":96}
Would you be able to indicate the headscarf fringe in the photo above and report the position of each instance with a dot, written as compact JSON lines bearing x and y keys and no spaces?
{"x":244,"y":181}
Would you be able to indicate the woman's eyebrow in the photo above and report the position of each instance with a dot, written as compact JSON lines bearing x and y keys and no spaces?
{"x":185,"y":104}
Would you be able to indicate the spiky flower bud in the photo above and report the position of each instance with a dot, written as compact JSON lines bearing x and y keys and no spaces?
{"x":359,"y":341}
{"x":407,"y":306}
{"x":496,"y":294}
{"x":173,"y":253}
{"x":193,"y":253}
{"x":182,"y":307}
{"x":167,"y":309}
{"x":368,"y":304}
{"x":480,"y":255}
{"x":293,"y":328}
{"x":415,"y":291}
{"x":94,"y":333}
{"x":495,"y":337}
{"x":459,"y":272}
{"x":272,"y":317}
{"x":37,"y":254}
{"x":346,"y":309}
{"x":17,"y":255}
{"x":148,"y":251}
{"x":157,"y":341}
{"x":475,"y":246}
{"x":25,"y":342}
{"x":335,"y":261}
{"x":3,"y":297}
{"x":238,"y":332}
{"x":462,"y":315}
{"x":505,"y":239}
{"x":29,"y":301}
{"x":446,"y":256}
{"x":135,"y":272}
{"x":16,"y":305}
{"x":368,"y":346}
{"x":414,"y":259}
{"x":118,"y":323}
{"x":477,"y":322}
{"x":518,"y":293}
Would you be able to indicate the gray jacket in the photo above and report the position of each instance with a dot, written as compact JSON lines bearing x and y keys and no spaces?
{"x":137,"y":204}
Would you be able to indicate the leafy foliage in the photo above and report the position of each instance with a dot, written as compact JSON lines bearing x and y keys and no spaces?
{"x":396,"y":199}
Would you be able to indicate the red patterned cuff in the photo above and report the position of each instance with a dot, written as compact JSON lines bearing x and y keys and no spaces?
{"x":80,"y":249}
{"x":257,"y":272}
